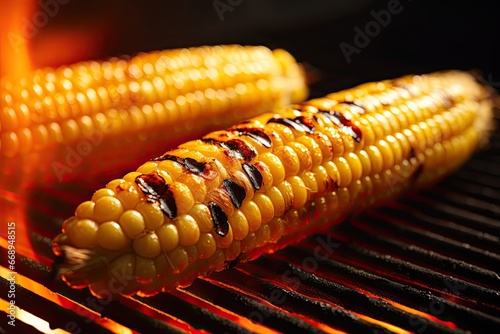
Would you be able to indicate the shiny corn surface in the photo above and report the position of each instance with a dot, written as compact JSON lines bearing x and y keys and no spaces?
{"x":262,"y":184}
{"x":157,"y":100}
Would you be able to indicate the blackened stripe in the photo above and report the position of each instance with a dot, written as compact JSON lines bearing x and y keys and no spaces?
{"x":151,"y":184}
{"x":239,"y":148}
{"x":221,"y":223}
{"x":257,"y":134}
{"x":254,"y":175}
{"x":288,"y":122}
{"x":194,"y":166}
{"x":209,"y":140}
{"x":167,"y":204}
{"x":344,"y":123}
{"x":236,"y":192}
{"x":305,"y":123}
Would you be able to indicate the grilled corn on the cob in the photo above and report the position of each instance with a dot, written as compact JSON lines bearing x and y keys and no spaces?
{"x":72,"y":117}
{"x":270,"y":181}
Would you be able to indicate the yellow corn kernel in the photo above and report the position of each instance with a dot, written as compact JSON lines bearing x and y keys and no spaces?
{"x":304,"y":168}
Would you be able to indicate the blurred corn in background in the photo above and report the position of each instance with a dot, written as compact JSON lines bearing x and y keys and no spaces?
{"x":60,"y":123}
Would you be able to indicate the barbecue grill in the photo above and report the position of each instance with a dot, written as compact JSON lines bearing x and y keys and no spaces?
{"x":425,"y":263}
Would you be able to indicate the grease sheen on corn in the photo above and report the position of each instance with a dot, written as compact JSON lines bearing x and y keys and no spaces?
{"x":68,"y":120}
{"x":270,"y":181}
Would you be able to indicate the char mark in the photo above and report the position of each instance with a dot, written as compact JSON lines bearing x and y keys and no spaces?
{"x":254,"y":175}
{"x":236,"y":192}
{"x":221,"y":223}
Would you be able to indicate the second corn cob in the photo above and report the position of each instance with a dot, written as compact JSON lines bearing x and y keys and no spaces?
{"x":270,"y":181}
{"x":78,"y":114}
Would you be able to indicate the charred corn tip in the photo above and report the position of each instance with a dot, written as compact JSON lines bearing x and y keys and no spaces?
{"x":233,"y":195}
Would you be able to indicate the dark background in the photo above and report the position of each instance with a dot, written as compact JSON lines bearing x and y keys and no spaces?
{"x":425,"y":36}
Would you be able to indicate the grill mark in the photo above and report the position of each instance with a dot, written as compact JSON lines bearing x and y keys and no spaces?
{"x":158,"y":191}
{"x":305,"y":123}
{"x":221,"y":223}
{"x":151,"y":184}
{"x":167,"y":204}
{"x":239,"y":148}
{"x":254,"y":175}
{"x":291,"y":123}
{"x":257,"y":134}
{"x":412,"y":153}
{"x":192,"y":165}
{"x":236,"y":192}
{"x":342,"y":122}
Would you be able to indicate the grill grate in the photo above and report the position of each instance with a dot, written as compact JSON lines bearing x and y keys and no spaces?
{"x":426,"y":263}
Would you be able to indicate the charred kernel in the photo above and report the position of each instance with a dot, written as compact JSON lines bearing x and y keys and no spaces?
{"x":167,"y":204}
{"x":239,"y":225}
{"x":168,"y":236}
{"x":206,"y":245}
{"x":201,"y":214}
{"x":219,"y":217}
{"x":147,"y":246}
{"x":152,"y":214}
{"x":257,"y":134}
{"x":85,"y":210}
{"x":111,"y":236}
{"x":289,"y":159}
{"x":299,"y":191}
{"x":278,"y":201}
{"x":266,"y":207}
{"x":254,"y":175}
{"x":276,"y":229}
{"x":107,"y":208}
{"x":252,"y":214}
{"x":286,"y":191}
{"x":151,"y":184}
{"x":290,"y":123}
{"x":196,"y":184}
{"x":275,"y":165}
{"x":178,"y":259}
{"x":101,"y":193}
{"x":182,"y":197}
{"x":145,"y":270}
{"x":239,"y":149}
{"x":224,"y":241}
{"x":188,"y":229}
{"x":236,"y":192}
{"x":83,"y":234}
{"x":132,"y":223}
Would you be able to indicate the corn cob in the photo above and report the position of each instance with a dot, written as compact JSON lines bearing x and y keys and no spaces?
{"x":270,"y":181}
{"x":90,"y":109}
